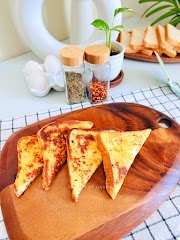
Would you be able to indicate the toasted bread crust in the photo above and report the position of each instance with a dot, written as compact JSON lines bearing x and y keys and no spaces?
{"x":119,"y":150}
{"x":52,"y":138}
{"x":84,"y":157}
{"x":30,"y":163}
{"x":147,"y":52}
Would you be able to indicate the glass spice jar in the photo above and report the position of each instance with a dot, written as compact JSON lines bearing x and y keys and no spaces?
{"x":97,"y":72}
{"x":72,"y":59}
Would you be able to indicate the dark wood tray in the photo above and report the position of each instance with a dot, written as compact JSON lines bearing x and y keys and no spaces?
{"x":142,"y":57}
{"x":40,"y":214}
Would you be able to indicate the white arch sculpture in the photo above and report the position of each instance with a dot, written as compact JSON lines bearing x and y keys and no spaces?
{"x":27,"y":15}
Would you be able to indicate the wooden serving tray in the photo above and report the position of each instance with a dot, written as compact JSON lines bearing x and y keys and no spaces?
{"x":143,"y":57}
{"x":40,"y":214}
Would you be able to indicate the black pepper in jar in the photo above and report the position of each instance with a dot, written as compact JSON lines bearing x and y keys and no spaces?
{"x":75,"y":87}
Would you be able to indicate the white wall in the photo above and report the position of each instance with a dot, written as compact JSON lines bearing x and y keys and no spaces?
{"x":56,"y":15}
{"x":57,"y":19}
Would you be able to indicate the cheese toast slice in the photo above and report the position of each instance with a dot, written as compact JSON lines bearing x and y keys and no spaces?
{"x":119,"y":150}
{"x":83,"y":158}
{"x":52,"y":138}
{"x":30,"y":163}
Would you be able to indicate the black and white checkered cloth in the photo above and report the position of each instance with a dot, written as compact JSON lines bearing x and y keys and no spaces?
{"x":164,"y":223}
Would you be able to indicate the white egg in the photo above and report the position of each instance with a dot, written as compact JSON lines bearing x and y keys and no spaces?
{"x":38,"y":80}
{"x":52,"y":65}
{"x":31,"y":66}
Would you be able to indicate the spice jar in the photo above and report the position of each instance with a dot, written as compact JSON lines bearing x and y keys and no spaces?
{"x":72,"y":59}
{"x":97,"y":72}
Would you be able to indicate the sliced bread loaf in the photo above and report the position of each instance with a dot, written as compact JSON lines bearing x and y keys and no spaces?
{"x":125,"y":38}
{"x":169,"y":52}
{"x":147,"y":52}
{"x":150,"y":38}
{"x":137,"y":38}
{"x":172,"y":35}
{"x":160,"y":30}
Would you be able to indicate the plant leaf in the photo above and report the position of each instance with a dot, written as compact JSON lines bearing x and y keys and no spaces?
{"x":148,"y":10}
{"x":157,"y":10}
{"x":166,"y":15}
{"x":100,"y":25}
{"x":175,"y":20}
{"x":120,"y":10}
{"x":118,"y":28}
{"x":175,"y":3}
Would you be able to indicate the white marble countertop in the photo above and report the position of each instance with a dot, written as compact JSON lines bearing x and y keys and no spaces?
{"x":16,"y":99}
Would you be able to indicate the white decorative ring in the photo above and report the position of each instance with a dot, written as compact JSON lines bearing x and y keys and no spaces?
{"x":27,"y":16}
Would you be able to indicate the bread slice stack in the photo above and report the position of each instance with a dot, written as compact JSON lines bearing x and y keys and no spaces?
{"x":173,"y":37}
{"x":163,"y":40}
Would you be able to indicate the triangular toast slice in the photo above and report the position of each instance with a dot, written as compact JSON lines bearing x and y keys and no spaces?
{"x":119,"y":150}
{"x":83,"y":158}
{"x":52,"y":138}
{"x":30,"y":163}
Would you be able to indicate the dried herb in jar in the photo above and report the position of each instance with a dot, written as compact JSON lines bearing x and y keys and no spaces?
{"x":75,"y":87}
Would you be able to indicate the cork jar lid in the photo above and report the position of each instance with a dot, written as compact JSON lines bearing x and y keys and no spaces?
{"x":71,"y":56}
{"x":97,"y":54}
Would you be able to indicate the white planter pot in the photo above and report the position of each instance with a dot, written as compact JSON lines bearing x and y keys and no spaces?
{"x":116,"y":61}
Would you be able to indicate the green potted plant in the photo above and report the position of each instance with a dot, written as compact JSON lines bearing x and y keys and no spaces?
{"x":116,"y":48}
{"x":170,"y":8}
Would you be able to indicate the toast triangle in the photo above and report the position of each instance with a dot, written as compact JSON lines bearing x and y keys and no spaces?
{"x":83,"y":158}
{"x":119,"y":150}
{"x":52,"y":138}
{"x":30,"y":163}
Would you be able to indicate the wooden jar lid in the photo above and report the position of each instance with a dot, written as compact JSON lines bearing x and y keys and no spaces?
{"x":71,"y":56}
{"x":97,"y":54}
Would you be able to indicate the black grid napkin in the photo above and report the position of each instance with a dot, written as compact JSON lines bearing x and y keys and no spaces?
{"x":164,"y":223}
